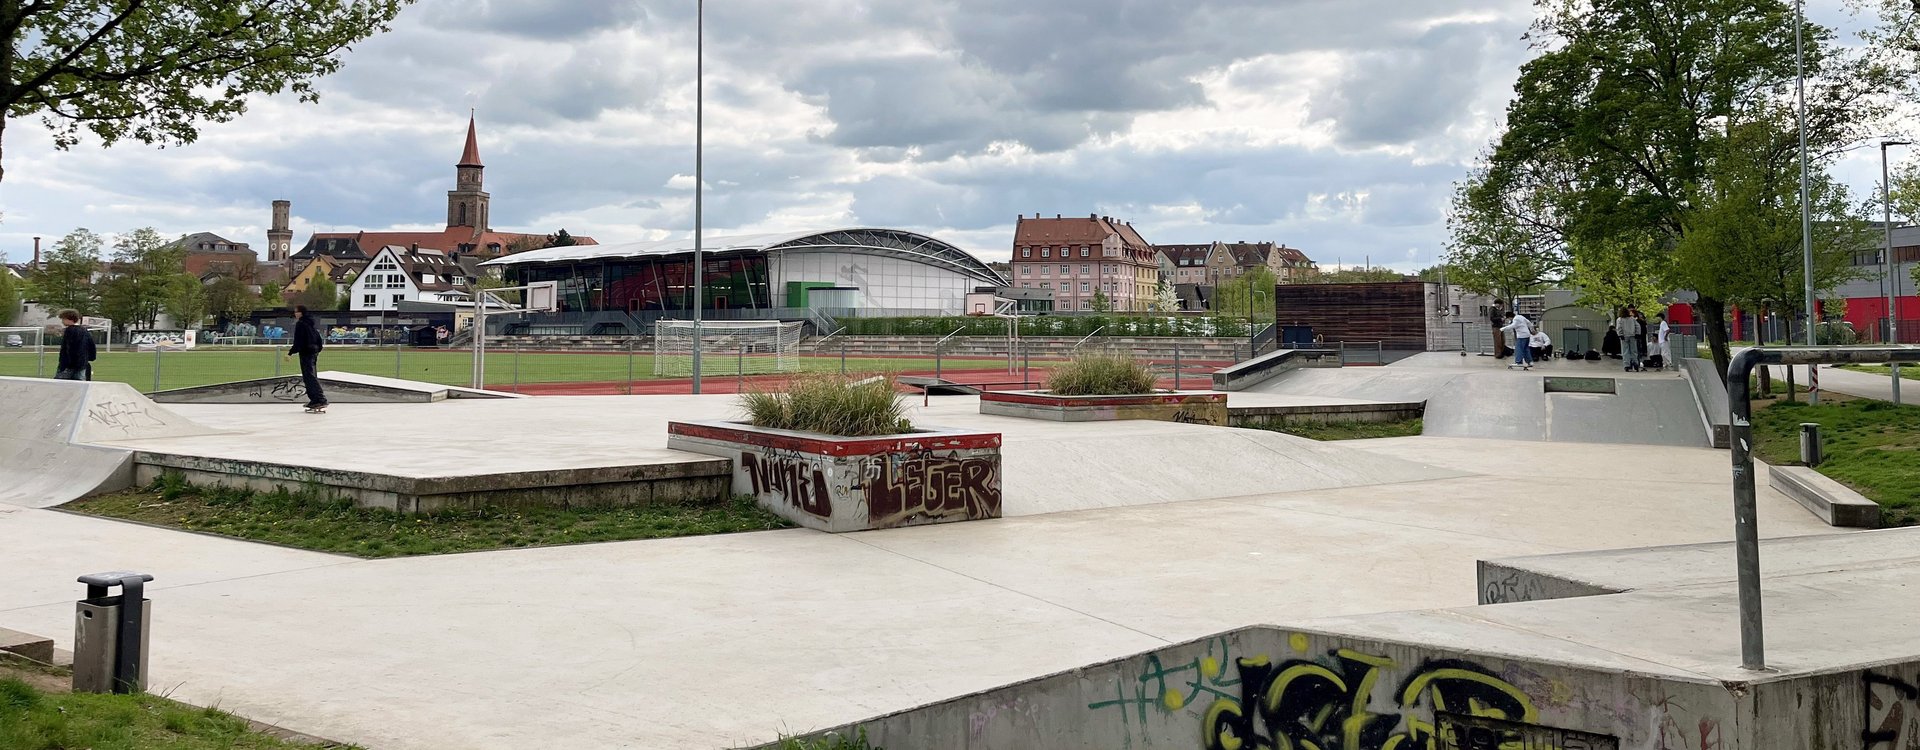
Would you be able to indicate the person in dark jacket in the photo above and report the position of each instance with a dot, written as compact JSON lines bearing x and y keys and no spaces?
{"x":1610,"y":345}
{"x":307,"y":344}
{"x":76,"y":349}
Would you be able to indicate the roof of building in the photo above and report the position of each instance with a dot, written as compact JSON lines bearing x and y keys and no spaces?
{"x":888,"y":242}
{"x":1186,"y":255}
{"x":449,"y":240}
{"x":471,"y":156}
{"x":1075,"y":230}
{"x":429,"y":268}
{"x":208,"y":242}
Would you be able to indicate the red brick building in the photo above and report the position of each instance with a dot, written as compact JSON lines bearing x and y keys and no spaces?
{"x":1078,"y":257}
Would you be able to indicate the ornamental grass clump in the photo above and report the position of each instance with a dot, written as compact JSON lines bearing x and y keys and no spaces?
{"x":831,"y":405}
{"x":1102,"y":374}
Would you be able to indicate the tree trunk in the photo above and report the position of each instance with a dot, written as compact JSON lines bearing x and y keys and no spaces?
{"x":1713,"y":315}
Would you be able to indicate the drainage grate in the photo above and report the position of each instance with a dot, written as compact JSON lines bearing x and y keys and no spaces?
{"x":1580,"y":385}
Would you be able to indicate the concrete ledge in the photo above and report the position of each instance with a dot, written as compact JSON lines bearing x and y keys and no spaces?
{"x":681,"y":480}
{"x":34,"y":647}
{"x":1503,"y":582}
{"x":1833,"y":502}
{"x":1185,"y":408}
{"x":1262,"y":369}
{"x":1266,"y":416}
{"x":1712,"y":395}
{"x":341,"y":387}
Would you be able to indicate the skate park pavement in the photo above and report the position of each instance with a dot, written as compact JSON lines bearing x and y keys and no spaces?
{"x":1120,"y":538}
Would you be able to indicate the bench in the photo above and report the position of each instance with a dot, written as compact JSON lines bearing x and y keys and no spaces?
{"x":1832,"y":501}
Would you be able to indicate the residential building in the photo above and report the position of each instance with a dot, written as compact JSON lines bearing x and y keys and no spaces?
{"x":1231,"y":259}
{"x":410,"y":274}
{"x":468,"y":232}
{"x":1187,"y":264}
{"x":1078,"y":258}
{"x":209,"y":253}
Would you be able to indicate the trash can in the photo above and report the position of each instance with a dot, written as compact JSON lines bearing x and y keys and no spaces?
{"x":110,"y":634}
{"x":1812,"y":453}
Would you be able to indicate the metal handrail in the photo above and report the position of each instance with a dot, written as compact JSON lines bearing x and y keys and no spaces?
{"x":943,"y":339}
{"x":1083,"y":342}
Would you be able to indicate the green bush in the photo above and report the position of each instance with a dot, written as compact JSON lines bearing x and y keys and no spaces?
{"x":1102,"y":374}
{"x":830,"y":741}
{"x":832,"y":405}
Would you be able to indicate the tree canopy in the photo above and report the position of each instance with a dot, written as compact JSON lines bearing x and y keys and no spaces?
{"x":155,"y":71}
{"x":65,"y":277}
{"x":144,"y":264}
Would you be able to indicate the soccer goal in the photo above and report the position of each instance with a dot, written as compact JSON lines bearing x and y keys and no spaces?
{"x":24,"y":351}
{"x":749,"y":347}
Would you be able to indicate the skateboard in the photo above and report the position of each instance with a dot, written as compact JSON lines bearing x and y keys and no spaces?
{"x":321,"y":409}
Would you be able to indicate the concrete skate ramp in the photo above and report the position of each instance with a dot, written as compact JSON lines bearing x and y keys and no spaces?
{"x":341,"y":388}
{"x":1099,"y":465}
{"x":1516,"y":405}
{"x":47,"y":431}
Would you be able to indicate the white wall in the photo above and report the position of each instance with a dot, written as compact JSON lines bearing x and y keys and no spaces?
{"x":883,"y":281}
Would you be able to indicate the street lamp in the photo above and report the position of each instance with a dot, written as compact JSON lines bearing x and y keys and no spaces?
{"x":1891,"y":281}
{"x":1806,"y":211}
{"x":699,"y":143}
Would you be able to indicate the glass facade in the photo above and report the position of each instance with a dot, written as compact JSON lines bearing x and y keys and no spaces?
{"x":646,"y":284}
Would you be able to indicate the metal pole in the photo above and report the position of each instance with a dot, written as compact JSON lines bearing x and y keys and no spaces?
{"x":843,"y":358}
{"x":699,"y":173}
{"x":396,"y":357}
{"x":1806,"y":208}
{"x":630,"y":345}
{"x":1746,"y":532}
{"x":740,"y":371}
{"x":516,"y":368}
{"x":156,"y":367}
{"x":1176,"y":367}
{"x":1892,"y":282}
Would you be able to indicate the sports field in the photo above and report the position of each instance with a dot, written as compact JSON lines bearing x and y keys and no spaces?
{"x":149,"y":371}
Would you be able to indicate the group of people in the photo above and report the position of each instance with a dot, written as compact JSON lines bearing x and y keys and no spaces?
{"x":1626,"y":338}
{"x":77,"y":352}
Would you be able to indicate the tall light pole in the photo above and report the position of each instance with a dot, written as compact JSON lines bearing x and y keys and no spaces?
{"x":1806,"y":210}
{"x":1891,"y":281}
{"x":699,"y":145}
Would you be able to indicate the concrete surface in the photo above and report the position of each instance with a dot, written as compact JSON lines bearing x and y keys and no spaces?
{"x":1712,"y":393}
{"x":1828,"y":500}
{"x":1483,"y":398}
{"x":635,"y":644}
{"x":46,"y":431}
{"x":341,"y":388}
{"x":36,"y":647}
{"x":1253,"y":372}
{"x":1685,"y":565}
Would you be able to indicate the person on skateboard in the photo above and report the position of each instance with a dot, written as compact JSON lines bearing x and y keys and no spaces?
{"x":307,"y":343}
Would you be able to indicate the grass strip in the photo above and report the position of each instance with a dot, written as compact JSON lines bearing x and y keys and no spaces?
{"x":35,"y":719}
{"x":1349,"y":430}
{"x":306,"y":520}
{"x":1871,"y":446}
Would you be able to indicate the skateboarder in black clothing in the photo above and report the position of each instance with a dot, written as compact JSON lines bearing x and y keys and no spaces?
{"x":76,"y":349}
{"x":307,"y":343}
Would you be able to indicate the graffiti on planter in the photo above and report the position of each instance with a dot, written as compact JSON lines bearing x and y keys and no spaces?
{"x":1161,"y":689}
{"x":1890,"y":712}
{"x":124,"y":416}
{"x":1300,"y":703}
{"x":1458,"y":732}
{"x":900,"y":488}
{"x":797,"y":480}
{"x":1512,"y":588}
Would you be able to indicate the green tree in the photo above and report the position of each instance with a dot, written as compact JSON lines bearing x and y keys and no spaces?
{"x":229,"y":300}
{"x":1506,"y":236}
{"x":321,"y":294}
{"x":155,"y":71}
{"x":561,"y":239}
{"x":270,"y":294}
{"x":11,"y":294}
{"x":186,"y":300}
{"x":144,"y":264}
{"x":1359,"y":276}
{"x":1252,"y":290}
{"x":65,"y":278}
{"x":1628,"y":270}
{"x":1639,"y":106}
{"x":1435,"y":273}
{"x":1100,"y":303}
{"x":1164,"y":297}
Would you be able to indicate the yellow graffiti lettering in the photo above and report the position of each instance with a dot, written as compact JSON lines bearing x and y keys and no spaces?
{"x":1173,"y":700}
{"x":1419,"y":685}
{"x":1298,"y":641}
{"x":1219,"y":730}
{"x":1358,"y":715}
{"x":1210,"y":667}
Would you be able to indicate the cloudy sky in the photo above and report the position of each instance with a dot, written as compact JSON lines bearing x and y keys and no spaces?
{"x":1336,"y":126}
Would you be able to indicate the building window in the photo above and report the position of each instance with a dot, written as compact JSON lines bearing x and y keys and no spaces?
{"x":1065,"y":269}
{"x":398,"y":297}
{"x":368,"y":301}
{"x":1046,"y":270}
{"x":1026,"y":270}
{"x":1046,"y":252}
{"x":1045,"y":285}
{"x":1083,"y":287}
{"x":1026,"y":252}
{"x":1084,"y":270}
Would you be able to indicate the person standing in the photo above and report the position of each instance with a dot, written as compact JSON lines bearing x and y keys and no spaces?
{"x":1640,"y":331}
{"x":1522,"y":340}
{"x":1629,"y":342}
{"x":1660,"y":339}
{"x":76,"y":349}
{"x":1497,"y":317}
{"x":307,"y":343}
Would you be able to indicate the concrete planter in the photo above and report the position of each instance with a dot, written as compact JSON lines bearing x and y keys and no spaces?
{"x":1190,"y":408}
{"x":841,"y":484}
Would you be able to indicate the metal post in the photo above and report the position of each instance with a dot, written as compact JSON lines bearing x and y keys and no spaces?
{"x":1806,"y":210}
{"x":1887,"y":271}
{"x":396,"y":357}
{"x":1746,"y":532}
{"x":936,"y":362}
{"x":843,"y":358}
{"x":276,"y":360}
{"x":630,"y":345}
{"x":1176,"y":367}
{"x":156,"y":368}
{"x":699,"y":173}
{"x":516,"y":368}
{"x":740,"y":371}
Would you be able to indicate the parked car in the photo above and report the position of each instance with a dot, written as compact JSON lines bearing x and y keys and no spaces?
{"x":14,"y":341}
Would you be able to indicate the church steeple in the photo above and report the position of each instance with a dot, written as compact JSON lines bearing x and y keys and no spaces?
{"x":467,"y":203}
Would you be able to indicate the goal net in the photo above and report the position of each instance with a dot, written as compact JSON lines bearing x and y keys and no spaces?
{"x":747,"y":347}
{"x":24,"y":352}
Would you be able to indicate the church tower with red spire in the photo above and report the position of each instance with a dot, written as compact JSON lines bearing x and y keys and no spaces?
{"x":466,"y":202}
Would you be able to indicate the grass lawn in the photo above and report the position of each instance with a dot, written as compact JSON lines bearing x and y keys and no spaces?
{"x":1907,"y":372}
{"x":34,"y":717}
{"x":202,"y":367}
{"x":298,"y":519}
{"x":1350,"y":430}
{"x":1871,"y":446}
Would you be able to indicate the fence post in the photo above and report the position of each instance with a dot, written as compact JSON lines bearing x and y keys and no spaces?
{"x":843,"y":358}
{"x":936,"y":361}
{"x":740,"y":371}
{"x":396,"y":358}
{"x":275,"y":351}
{"x":630,"y":347}
{"x":1026,"y":364}
{"x":156,"y":367}
{"x":516,"y":368}
{"x":1176,"y":367}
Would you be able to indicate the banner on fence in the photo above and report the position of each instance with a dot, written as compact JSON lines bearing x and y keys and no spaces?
{"x":147,"y":341}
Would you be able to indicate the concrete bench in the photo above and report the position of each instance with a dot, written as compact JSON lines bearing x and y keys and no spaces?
{"x":1832,"y":501}
{"x":1267,"y":367}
